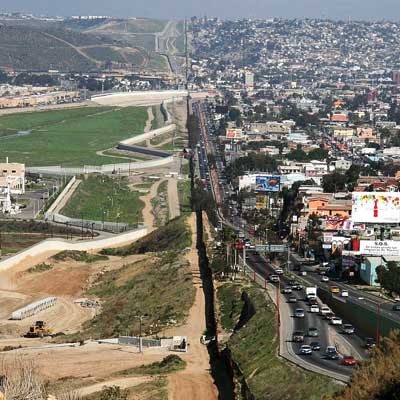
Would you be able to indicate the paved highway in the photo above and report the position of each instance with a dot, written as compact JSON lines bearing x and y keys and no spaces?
{"x":328,"y":335}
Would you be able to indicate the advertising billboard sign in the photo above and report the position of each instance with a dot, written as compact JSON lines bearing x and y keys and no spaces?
{"x":261,"y":201}
{"x":234,"y":133}
{"x":268,"y":183}
{"x":381,"y":248}
{"x":376,"y":207}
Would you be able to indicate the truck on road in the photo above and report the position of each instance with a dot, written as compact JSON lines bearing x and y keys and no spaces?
{"x":311,"y":293}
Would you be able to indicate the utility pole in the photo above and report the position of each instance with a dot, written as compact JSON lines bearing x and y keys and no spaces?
{"x":278,"y":316}
{"x":140,"y":318}
{"x":244,"y":260}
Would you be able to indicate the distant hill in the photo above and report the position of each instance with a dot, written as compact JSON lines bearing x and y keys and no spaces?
{"x":80,"y":45}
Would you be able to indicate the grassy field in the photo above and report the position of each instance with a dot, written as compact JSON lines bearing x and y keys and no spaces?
{"x":184,"y":192}
{"x":160,"y":287}
{"x":157,"y":62}
{"x":69,"y":137}
{"x":253,"y":348}
{"x":105,"y":197}
{"x":141,"y":25}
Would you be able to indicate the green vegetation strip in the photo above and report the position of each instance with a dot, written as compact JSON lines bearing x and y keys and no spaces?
{"x":43,"y":267}
{"x":78,"y":255}
{"x":184,"y":191}
{"x":254,"y":348}
{"x":160,"y":288}
{"x":174,"y":236}
{"x":69,"y":137}
{"x":103,"y":198}
{"x":168,"y":364}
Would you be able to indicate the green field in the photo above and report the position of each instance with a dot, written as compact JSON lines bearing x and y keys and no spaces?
{"x":69,"y":137}
{"x":101,"y":197}
{"x":141,"y":25}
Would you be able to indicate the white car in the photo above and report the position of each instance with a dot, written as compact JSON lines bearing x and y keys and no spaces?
{"x":336,"y":321}
{"x":324,"y":310}
{"x":274,"y":278}
{"x":314,"y":309}
{"x":324,"y":278}
{"x":279,"y":271}
{"x":344,"y":293}
{"x":305,"y":349}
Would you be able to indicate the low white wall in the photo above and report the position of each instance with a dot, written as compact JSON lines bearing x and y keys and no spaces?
{"x":61,"y":195}
{"x":101,"y":169}
{"x":149,"y":135}
{"x":128,"y":98}
{"x":56,"y":245}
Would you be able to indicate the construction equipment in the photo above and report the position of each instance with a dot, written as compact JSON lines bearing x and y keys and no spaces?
{"x":40,"y":329}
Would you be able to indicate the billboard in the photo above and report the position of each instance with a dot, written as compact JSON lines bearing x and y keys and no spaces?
{"x":381,"y":248}
{"x":234,"y":133}
{"x":261,"y":202}
{"x":268,"y":183}
{"x":376,"y":207}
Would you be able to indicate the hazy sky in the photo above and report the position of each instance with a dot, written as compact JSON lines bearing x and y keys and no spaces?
{"x":342,"y":9}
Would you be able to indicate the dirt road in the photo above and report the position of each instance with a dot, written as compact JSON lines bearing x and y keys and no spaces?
{"x":148,"y":216}
{"x":123,"y":383}
{"x":195,"y":382}
{"x":173,"y":199}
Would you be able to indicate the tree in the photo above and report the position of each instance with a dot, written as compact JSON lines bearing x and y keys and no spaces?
{"x":378,"y":378}
{"x":234,"y":114}
{"x":331,"y":183}
{"x":389,"y":277}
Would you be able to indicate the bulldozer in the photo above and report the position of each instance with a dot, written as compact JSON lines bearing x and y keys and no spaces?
{"x":40,"y":329}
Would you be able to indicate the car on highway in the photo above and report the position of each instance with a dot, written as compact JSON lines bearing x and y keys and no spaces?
{"x":287,"y":290}
{"x":299,"y":313}
{"x":298,"y":336}
{"x":292,"y":299}
{"x":324,"y":278}
{"x":312,"y":301}
{"x":344,"y":293}
{"x":396,"y":307}
{"x":369,"y":342}
{"x":279,"y":271}
{"x":305,"y":350}
{"x":336,"y":321}
{"x":297,"y":287}
{"x":274,"y":278}
{"x":315,"y":346}
{"x":331,"y":353}
{"x":349,"y":361}
{"x":335,"y":289}
{"x":348,"y":329}
{"x":312,"y":332}
{"x":314,"y":308}
{"x":324,"y":310}
{"x":328,"y":316}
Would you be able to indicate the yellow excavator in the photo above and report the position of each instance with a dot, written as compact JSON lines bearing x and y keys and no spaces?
{"x":40,"y":329}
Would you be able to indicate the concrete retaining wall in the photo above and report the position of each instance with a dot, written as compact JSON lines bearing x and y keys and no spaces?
{"x":138,"y":97}
{"x":56,"y":245}
{"x":149,"y":135}
{"x":61,"y":195}
{"x":88,"y":225}
{"x":150,"y":151}
{"x":101,"y":169}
